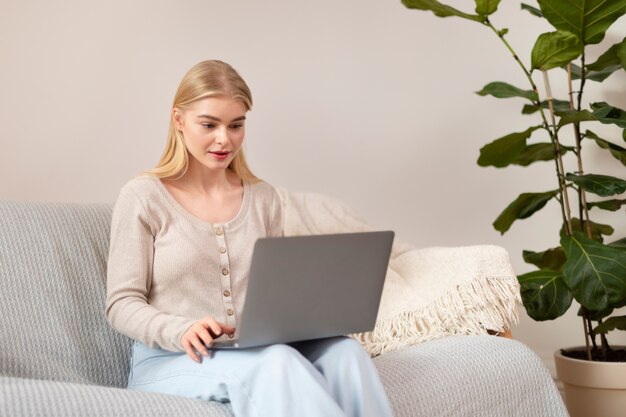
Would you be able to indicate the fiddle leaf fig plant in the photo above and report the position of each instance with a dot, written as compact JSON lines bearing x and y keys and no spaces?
{"x":583,"y":267}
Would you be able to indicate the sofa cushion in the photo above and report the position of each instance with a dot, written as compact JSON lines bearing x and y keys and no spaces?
{"x":480,"y":375}
{"x":52,"y":271}
{"x":26,"y":398}
{"x":454,"y":376}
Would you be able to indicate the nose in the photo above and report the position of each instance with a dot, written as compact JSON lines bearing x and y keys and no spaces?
{"x":221,"y":135}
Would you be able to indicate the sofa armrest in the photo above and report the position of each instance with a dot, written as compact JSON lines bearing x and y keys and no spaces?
{"x":469,"y":376}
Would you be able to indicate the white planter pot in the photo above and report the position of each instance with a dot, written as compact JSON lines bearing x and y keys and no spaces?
{"x":592,"y":389}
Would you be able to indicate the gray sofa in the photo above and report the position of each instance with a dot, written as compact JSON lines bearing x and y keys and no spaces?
{"x":59,"y":357}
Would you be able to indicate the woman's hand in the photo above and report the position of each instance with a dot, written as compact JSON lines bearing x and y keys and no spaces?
{"x":201,"y":335}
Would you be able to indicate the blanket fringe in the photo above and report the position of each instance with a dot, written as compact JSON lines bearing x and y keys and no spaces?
{"x":472,"y":308}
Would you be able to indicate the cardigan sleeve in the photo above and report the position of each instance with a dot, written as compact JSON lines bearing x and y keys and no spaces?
{"x":129,"y":275}
{"x":276,"y":217}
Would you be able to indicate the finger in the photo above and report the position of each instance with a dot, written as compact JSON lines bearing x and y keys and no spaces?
{"x":199,"y":346}
{"x":205,"y":337}
{"x":227,"y":329}
{"x":214,"y":327}
{"x":187,"y":346}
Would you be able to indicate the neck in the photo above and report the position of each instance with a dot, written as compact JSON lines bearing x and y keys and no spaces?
{"x":200,"y":180}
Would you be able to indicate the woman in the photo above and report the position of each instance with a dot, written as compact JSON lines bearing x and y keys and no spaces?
{"x":181,"y":244}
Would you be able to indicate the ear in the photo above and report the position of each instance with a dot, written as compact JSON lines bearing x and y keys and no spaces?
{"x":177,"y":118}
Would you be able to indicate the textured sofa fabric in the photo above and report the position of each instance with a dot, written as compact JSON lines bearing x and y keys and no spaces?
{"x":28,"y":397}
{"x":59,"y":357}
{"x":455,"y":376}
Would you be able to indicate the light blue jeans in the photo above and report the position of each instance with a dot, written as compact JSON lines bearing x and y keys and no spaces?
{"x":332,"y":377}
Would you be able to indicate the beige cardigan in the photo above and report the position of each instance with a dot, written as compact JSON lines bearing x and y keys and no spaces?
{"x":168,"y":268}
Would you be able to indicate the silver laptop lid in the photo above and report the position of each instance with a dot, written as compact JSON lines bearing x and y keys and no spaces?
{"x":308,"y":287}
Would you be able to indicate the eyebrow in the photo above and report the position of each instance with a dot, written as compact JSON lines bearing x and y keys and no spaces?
{"x":217,"y":119}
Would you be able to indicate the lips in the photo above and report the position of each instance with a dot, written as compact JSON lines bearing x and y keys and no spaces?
{"x":219,"y":155}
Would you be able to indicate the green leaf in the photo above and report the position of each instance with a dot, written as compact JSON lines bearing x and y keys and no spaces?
{"x":523,"y":207}
{"x":607,"y":59}
{"x":576,"y":71}
{"x":608,"y":114}
{"x":595,"y":315}
{"x":532,"y":10}
{"x":610,"y":205}
{"x":607,"y":63}
{"x":603,"y":74}
{"x":597,"y":229}
{"x":602,"y":185}
{"x":602,"y":112}
{"x":621,"y":54}
{"x":544,"y":294}
{"x":619,"y":243}
{"x":555,"y":49}
{"x":537,"y":152}
{"x":573,"y":116}
{"x":618,"y":152}
{"x":595,"y":273}
{"x":587,"y":19}
{"x":612,"y":323}
{"x":501,"y":89}
{"x":551,"y":259}
{"x":440,"y":9}
{"x":599,"y":76}
{"x":505,"y":150}
{"x":560,"y":106}
{"x":486,"y":7}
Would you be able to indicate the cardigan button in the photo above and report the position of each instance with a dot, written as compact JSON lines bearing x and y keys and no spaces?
{"x":219,"y":231}
{"x":225,"y":271}
{"x":222,"y":249}
{"x":230,"y":312}
{"x":226,"y":293}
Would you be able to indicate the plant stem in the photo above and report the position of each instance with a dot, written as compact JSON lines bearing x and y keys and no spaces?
{"x":592,"y":334}
{"x":583,"y":79}
{"x":559,"y":157}
{"x":605,"y":343}
{"x":560,"y":174}
{"x":585,"y":225}
{"x":522,"y":66}
{"x":588,"y":348}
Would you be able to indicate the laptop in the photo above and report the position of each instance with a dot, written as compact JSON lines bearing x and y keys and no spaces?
{"x":312,"y":287}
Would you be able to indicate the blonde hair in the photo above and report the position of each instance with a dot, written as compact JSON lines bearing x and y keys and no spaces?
{"x":205,"y":79}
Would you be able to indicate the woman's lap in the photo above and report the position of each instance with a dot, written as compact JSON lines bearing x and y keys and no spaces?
{"x":155,"y":369}
{"x":330,"y":377}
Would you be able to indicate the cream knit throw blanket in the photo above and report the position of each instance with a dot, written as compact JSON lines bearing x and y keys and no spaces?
{"x":429,"y":293}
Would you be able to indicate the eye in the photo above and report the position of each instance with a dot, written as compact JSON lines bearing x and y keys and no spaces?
{"x":236,"y":126}
{"x":208,"y":125}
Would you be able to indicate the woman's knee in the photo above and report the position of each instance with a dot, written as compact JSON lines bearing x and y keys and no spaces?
{"x":347,"y":346}
{"x":280,"y":354}
{"x":284,"y":363}
{"x":279,"y":350}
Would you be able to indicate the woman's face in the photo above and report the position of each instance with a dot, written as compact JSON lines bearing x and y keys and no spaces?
{"x":213,"y":129}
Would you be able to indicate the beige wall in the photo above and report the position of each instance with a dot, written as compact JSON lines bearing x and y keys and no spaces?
{"x":362,"y":100}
